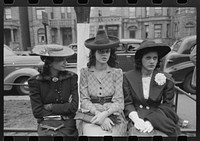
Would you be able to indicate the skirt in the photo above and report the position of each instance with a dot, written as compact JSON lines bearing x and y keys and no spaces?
{"x":89,"y":129}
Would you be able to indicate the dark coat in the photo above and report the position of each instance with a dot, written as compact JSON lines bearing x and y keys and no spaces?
{"x":44,"y":91}
{"x":158,"y":107}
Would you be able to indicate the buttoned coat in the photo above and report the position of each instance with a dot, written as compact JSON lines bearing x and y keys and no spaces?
{"x":44,"y":91}
{"x":158,"y":107}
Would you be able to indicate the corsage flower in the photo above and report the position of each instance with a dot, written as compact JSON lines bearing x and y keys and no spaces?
{"x":160,"y":79}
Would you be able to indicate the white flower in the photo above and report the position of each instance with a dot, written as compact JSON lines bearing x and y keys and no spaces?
{"x":160,"y":79}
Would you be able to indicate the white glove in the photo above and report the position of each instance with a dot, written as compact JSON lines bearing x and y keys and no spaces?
{"x":148,"y":127}
{"x":138,"y":122}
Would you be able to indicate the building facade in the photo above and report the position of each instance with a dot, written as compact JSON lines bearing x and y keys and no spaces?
{"x":12,"y":30}
{"x":164,"y":24}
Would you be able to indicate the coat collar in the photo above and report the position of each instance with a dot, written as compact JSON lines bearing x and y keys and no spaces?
{"x":62,"y":76}
{"x":135,"y":79}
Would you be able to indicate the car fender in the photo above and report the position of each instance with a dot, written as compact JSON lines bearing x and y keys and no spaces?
{"x":17,"y":74}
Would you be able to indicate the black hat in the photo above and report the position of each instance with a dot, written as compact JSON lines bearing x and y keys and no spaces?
{"x":161,"y":48}
{"x":102,"y":41}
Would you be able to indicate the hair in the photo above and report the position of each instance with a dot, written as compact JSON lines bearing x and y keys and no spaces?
{"x":45,"y":70}
{"x":112,"y":62}
{"x":138,"y":60}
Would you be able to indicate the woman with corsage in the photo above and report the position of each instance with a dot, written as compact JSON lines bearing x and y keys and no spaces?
{"x":54,"y":92}
{"x":149,"y":94}
{"x":101,"y":92}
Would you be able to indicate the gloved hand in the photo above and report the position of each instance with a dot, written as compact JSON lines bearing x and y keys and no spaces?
{"x":139,"y":124}
{"x":148,"y":127}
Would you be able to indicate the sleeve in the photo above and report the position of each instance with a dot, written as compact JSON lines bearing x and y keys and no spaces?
{"x":118,"y":97}
{"x":69,"y":107}
{"x":128,"y":101}
{"x":193,"y":55}
{"x":35,"y":98}
{"x":168,"y":92}
{"x":85,"y":99}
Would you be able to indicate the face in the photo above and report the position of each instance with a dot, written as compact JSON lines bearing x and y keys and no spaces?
{"x":149,"y":61}
{"x":102,"y":56}
{"x":59,"y":64}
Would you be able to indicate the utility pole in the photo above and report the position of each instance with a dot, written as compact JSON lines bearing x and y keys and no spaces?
{"x":45,"y":23}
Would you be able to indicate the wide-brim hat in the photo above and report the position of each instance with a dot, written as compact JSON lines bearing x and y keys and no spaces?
{"x":161,"y":48}
{"x":53,"y":50}
{"x":102,"y":41}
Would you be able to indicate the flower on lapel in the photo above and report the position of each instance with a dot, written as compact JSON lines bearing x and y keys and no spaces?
{"x":160,"y":79}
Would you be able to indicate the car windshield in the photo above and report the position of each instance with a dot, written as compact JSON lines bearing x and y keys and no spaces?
{"x":8,"y":51}
{"x":176,"y":45}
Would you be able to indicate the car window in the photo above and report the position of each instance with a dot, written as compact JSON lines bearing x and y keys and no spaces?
{"x":8,"y":51}
{"x":132,"y":47}
{"x":177,"y":45}
{"x":186,"y":49}
{"x":120,"y":48}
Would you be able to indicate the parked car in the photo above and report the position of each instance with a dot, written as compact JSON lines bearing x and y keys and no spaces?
{"x":178,"y":63}
{"x":73,"y":58}
{"x":126,"y":52}
{"x":17,"y":69}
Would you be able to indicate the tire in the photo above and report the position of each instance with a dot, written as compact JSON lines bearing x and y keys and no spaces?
{"x":22,"y":90}
{"x":187,"y":84}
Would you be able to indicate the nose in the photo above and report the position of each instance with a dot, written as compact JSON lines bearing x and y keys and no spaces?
{"x":152,"y":60}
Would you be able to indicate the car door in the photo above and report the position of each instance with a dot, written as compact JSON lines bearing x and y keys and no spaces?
{"x":125,"y":57}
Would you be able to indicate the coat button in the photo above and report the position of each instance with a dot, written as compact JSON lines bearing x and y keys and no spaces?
{"x":56,"y":99}
{"x":141,"y":106}
{"x":147,"y":107}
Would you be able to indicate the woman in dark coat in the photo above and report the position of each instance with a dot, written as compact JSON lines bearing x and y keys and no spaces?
{"x":149,"y":94}
{"x":54,"y":92}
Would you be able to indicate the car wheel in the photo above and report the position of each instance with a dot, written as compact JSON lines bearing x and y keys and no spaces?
{"x":187,"y":84}
{"x":22,"y":90}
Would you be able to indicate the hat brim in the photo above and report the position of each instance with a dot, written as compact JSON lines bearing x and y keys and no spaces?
{"x":113,"y":42}
{"x":161,"y":49}
{"x":41,"y":51}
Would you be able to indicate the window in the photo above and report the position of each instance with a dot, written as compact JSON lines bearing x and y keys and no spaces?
{"x":146,"y":31}
{"x":147,"y":11}
{"x":62,"y":11}
{"x":157,"y":30}
{"x":112,"y":30}
{"x":158,"y":11}
{"x":132,"y":13}
{"x":41,"y":35}
{"x":132,"y":33}
{"x":53,"y":35}
{"x":168,"y":31}
{"x":8,"y":14}
{"x":69,"y":13}
{"x":39,"y":13}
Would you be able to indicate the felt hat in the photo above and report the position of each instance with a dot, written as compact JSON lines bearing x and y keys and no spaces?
{"x":102,"y":41}
{"x":52,"y":50}
{"x":161,"y":48}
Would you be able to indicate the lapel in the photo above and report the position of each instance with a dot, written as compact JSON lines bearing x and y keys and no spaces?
{"x":135,"y":79}
{"x":155,"y":89}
